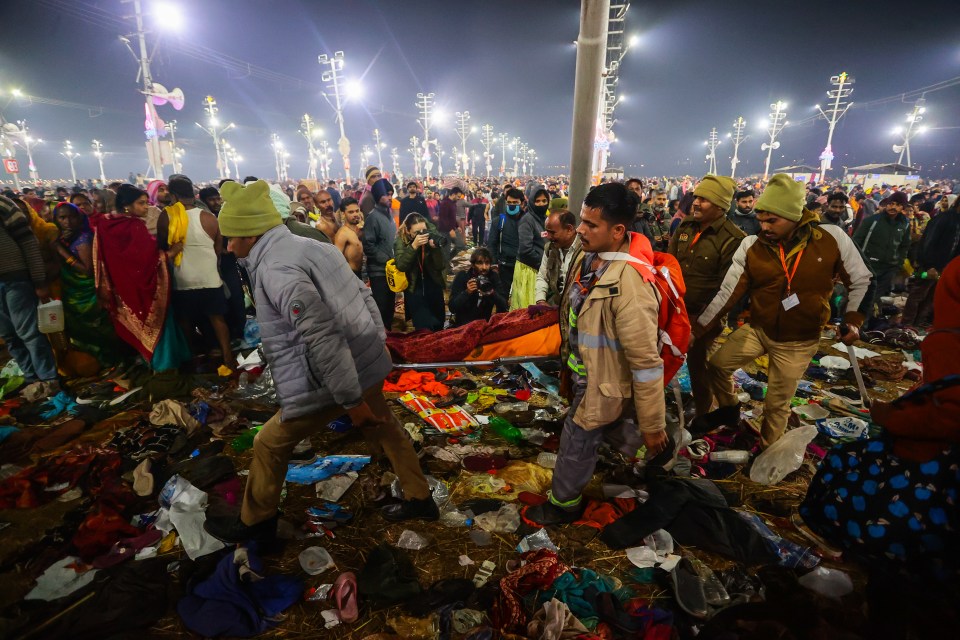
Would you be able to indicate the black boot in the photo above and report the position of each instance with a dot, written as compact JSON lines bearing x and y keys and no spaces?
{"x":422,"y":509}
{"x":722,"y":417}
{"x":231,"y":530}
{"x":547,"y":514}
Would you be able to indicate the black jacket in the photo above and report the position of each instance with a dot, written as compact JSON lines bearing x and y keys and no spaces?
{"x":748,"y":223}
{"x":410,"y":205}
{"x":504,"y":238}
{"x":940,"y":242}
{"x":467,"y":307}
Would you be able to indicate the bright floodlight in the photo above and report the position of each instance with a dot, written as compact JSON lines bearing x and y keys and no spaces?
{"x":214,"y":122}
{"x":17,"y":93}
{"x":353,"y":89}
{"x":168,"y":15}
{"x":921,"y":129}
{"x":634,"y":40}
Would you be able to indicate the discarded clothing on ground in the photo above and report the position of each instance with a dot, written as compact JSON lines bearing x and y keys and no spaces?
{"x":237,"y":600}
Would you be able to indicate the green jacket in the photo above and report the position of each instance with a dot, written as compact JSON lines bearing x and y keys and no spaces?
{"x":884,"y":241}
{"x":408,"y":260}
{"x":704,"y":260}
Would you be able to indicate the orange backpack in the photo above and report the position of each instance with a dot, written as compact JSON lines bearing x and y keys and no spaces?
{"x":673,"y":325}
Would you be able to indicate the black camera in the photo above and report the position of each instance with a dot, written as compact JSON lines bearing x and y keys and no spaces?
{"x":484,"y":284}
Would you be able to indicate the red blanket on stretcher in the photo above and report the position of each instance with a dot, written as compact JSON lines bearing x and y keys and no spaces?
{"x":456,"y":343}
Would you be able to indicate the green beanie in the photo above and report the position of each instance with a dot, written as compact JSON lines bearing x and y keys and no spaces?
{"x":248,"y":210}
{"x":558,"y":204}
{"x":783,"y":197}
{"x":717,"y":189}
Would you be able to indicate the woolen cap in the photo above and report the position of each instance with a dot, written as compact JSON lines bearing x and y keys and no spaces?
{"x":783,"y":197}
{"x":717,"y":189}
{"x":247,"y":211}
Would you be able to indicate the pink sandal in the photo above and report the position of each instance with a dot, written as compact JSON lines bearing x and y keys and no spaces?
{"x":345,"y":597}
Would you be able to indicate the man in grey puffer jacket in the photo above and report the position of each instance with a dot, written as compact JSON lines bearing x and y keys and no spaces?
{"x":324,"y":341}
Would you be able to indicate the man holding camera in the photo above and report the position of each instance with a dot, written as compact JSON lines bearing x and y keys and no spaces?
{"x":476,"y":292}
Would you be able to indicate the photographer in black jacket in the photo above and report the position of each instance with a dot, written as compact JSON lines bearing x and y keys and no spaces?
{"x":475,"y":292}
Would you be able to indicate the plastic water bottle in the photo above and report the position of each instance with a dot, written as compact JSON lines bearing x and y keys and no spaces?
{"x":734,"y":456}
{"x":455,"y":518}
{"x":505,"y":430}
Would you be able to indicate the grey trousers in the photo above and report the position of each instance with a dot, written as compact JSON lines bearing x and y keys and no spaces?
{"x":577,"y":456}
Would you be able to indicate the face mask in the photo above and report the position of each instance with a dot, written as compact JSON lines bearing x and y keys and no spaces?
{"x":540,"y":210}
{"x":513,"y":209}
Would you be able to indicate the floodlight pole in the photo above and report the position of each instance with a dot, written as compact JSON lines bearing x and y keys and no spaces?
{"x":738,"y":137}
{"x":843,"y":88}
{"x":777,"y":123}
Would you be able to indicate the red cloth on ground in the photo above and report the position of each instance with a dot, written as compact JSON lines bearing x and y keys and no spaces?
{"x":96,"y":471}
{"x":456,"y":343}
{"x":101,"y":529}
{"x":600,"y":514}
{"x":424,"y":382}
{"x":543,"y":567}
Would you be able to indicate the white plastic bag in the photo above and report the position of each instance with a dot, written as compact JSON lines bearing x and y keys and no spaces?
{"x":50,"y":317}
{"x":831,"y":583}
{"x":782,"y":457}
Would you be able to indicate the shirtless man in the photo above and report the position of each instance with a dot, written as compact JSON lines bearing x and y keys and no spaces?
{"x":348,"y":236}
{"x":328,"y":221}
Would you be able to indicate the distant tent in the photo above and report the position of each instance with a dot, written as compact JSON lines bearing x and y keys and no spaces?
{"x":800,"y":168}
{"x":886,"y":169}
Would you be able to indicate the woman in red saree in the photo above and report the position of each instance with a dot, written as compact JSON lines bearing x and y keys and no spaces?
{"x":134,"y":284}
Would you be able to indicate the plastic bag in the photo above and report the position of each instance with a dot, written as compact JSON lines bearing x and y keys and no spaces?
{"x":412,"y":540}
{"x":845,"y":428}
{"x":827,"y":582}
{"x":538,"y":540}
{"x":782,"y":457}
{"x":506,"y":520}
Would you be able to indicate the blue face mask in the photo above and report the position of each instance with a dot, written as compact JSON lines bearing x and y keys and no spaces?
{"x":513,"y":209}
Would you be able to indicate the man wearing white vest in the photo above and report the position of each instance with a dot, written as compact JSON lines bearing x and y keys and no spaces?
{"x":194,"y":253}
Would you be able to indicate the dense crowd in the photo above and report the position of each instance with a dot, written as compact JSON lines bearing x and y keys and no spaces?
{"x":646,"y":273}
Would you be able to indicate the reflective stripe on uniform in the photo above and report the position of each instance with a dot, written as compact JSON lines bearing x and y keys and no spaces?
{"x":647,"y":375}
{"x":574,"y":363}
{"x":598,"y":342}
{"x":568,"y":504}
{"x":572,"y":319}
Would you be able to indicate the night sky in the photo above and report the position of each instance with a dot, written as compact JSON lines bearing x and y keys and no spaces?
{"x":510,"y":63}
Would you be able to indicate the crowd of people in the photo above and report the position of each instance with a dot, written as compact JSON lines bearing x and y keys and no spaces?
{"x":173,"y":274}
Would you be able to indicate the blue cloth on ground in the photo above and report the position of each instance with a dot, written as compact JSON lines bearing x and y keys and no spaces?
{"x":324,"y":468}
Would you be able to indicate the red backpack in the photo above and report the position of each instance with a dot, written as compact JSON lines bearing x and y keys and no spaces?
{"x":673,"y":325}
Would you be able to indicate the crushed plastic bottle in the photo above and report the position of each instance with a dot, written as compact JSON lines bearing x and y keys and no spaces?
{"x":505,"y":430}
{"x":505,"y":520}
{"x":456,"y":518}
{"x":508,"y":407}
{"x":547,"y":460}
{"x":733,"y":456}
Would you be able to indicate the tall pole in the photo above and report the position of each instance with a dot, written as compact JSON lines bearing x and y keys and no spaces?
{"x":913,"y":119}
{"x":532,"y":157}
{"x":738,"y":137}
{"x":777,"y":123}
{"x":523,"y":157}
{"x":153,"y":141}
{"x":395,"y":159}
{"x":324,"y":160}
{"x":8,"y":150}
{"x":70,"y":154}
{"x":172,"y":130}
{"x":415,"y":152}
{"x":332,"y":76}
{"x":503,"y":154}
{"x":215,"y":131}
{"x":463,"y":130}
{"x":424,"y":105}
{"x":515,"y":145}
{"x":28,"y":142}
{"x":380,"y":146}
{"x":843,"y":87}
{"x":98,"y":152}
{"x":587,"y":89}
{"x":712,"y":143}
{"x":440,"y":153}
{"x":308,"y":131}
{"x":487,"y":140}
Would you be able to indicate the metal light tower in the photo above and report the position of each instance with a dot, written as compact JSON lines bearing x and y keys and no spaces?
{"x":531,"y":158}
{"x":415,"y":152}
{"x":738,"y":125}
{"x":617,"y":46}
{"x":177,"y":152}
{"x":395,"y":159}
{"x":503,"y":154}
{"x":777,"y":122}
{"x":712,"y":143}
{"x":515,"y":145}
{"x":70,"y":154}
{"x":912,"y":129}
{"x":523,"y":157}
{"x":309,"y":132}
{"x":325,"y":160}
{"x":25,"y":140}
{"x":843,"y":87}
{"x":235,"y":157}
{"x":215,"y":131}
{"x":487,"y":140}
{"x":424,"y":105}
{"x":379,"y":146}
{"x":333,"y":77}
{"x":279,"y":155}
{"x":463,"y":117}
{"x":365,"y":154}
{"x":440,"y":154}
{"x":98,"y":153}
{"x":7,"y":147}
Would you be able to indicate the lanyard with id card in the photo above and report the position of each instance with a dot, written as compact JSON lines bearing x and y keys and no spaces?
{"x":791,"y":300}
